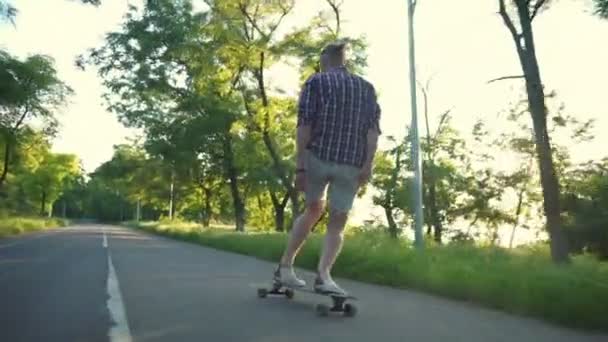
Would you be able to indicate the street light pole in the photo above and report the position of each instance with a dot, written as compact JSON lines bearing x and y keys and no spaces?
{"x":417,"y":193}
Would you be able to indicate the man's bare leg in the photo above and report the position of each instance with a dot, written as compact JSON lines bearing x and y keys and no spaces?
{"x":301,"y":228}
{"x":333,"y":244}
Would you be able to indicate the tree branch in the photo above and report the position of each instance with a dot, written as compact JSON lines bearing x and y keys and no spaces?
{"x":236,"y":78}
{"x":442,"y":120}
{"x":285,"y":199}
{"x":507,"y":20}
{"x":252,"y":124}
{"x":243,"y":8}
{"x":336,"y":9}
{"x":505,"y":78}
{"x":21,"y":119}
{"x":286,"y":10}
{"x":537,"y":6}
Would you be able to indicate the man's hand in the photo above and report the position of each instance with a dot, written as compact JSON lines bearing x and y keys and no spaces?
{"x":300,"y":183}
{"x":365,"y":175}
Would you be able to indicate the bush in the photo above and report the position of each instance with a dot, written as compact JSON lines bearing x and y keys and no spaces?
{"x":11,"y":226}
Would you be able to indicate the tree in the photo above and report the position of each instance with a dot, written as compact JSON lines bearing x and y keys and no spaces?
{"x":513,"y":140}
{"x":7,"y":12}
{"x":523,"y":38}
{"x":27,"y":155}
{"x":257,"y":47}
{"x":49,"y":180}
{"x":30,"y":90}
{"x":175,"y":79}
{"x":392,"y":186}
{"x":601,"y":8}
{"x":585,"y":200}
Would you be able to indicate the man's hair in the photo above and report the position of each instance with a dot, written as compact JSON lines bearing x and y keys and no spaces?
{"x":336,"y":51}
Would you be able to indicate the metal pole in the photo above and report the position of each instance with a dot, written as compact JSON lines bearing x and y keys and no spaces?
{"x":417,"y":194}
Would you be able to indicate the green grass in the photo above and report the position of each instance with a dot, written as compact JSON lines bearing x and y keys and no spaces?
{"x":522,"y":281}
{"x":12,"y":226}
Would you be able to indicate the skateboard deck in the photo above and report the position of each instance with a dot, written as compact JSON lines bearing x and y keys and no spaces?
{"x":313,"y":291}
{"x":338,"y":300}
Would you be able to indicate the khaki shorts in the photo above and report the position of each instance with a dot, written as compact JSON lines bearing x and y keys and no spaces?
{"x":343,"y":181}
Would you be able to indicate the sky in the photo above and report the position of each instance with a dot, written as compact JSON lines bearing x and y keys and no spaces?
{"x":459,"y":44}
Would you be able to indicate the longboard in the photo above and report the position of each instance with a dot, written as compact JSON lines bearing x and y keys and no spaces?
{"x":338,"y":300}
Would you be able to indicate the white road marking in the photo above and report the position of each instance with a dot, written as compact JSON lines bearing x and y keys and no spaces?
{"x":119,"y":331}
{"x":105,"y":239}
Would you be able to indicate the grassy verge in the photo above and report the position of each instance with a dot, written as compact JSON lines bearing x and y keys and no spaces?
{"x":12,"y":226}
{"x":521,"y":281}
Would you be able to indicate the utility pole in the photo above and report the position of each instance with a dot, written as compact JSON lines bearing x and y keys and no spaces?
{"x":417,"y":189}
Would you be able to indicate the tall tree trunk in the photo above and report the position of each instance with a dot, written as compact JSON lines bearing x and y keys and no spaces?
{"x":525,"y":45}
{"x":268,"y":142}
{"x":432,"y":181}
{"x":171,"y":193}
{"x":435,"y":213}
{"x":279,"y":210}
{"x":392,"y":225}
{"x":538,"y":110}
{"x":281,"y":173}
{"x":429,"y":228}
{"x":43,"y":203}
{"x":138,"y":210}
{"x":7,"y":156}
{"x":207,"y":207}
{"x":232,"y":173}
{"x":494,"y":236}
{"x":390,"y":196}
{"x":520,"y":200}
{"x":295,"y":209}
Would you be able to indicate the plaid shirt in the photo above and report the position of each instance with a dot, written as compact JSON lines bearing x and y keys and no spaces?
{"x":341,"y":108}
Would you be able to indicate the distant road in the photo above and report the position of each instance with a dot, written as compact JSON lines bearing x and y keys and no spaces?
{"x":75,"y":285}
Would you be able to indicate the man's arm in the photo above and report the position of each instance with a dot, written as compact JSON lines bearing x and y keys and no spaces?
{"x":373,"y":133}
{"x":302,"y":140}
{"x":372,"y":145}
{"x":308,"y":108}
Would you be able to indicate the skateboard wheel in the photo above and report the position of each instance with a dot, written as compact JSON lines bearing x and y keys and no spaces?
{"x":322,"y":310}
{"x":350,"y":310}
{"x":262,"y":293}
{"x":289,"y":293}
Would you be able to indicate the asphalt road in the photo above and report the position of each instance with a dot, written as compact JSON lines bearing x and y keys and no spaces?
{"x":69,"y":285}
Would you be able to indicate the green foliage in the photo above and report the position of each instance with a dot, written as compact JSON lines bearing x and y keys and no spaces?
{"x":39,"y":177}
{"x":49,"y":180}
{"x":7,"y":12}
{"x":13,"y":226}
{"x":601,"y":8}
{"x":522,"y":281}
{"x":30,"y":90}
{"x":460,"y":191}
{"x":515,"y":141}
{"x":585,"y":204}
{"x":195,"y":83}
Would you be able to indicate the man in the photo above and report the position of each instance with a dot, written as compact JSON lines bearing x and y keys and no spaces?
{"x":337,"y":134}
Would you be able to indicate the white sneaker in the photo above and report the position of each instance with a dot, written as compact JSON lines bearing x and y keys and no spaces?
{"x":286,"y":276}
{"x":329,"y":286}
